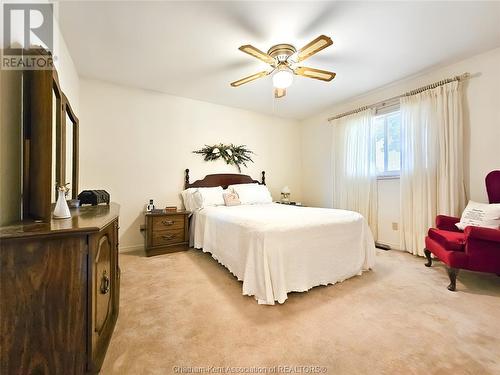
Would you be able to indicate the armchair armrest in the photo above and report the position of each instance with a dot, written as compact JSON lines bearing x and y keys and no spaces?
{"x":485,"y":234}
{"x":447,"y":223}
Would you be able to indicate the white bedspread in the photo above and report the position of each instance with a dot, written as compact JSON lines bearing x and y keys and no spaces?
{"x":275,"y":249}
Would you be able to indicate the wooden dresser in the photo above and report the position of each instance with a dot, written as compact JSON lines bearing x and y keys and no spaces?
{"x":59,"y":288}
{"x":166,"y":232}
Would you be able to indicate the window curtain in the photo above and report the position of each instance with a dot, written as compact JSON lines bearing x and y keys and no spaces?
{"x":431,"y":179}
{"x":355,"y":175}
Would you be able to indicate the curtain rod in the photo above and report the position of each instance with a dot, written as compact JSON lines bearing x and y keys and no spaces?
{"x":460,"y":77}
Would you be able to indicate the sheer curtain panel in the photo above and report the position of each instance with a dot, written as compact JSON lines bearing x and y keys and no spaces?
{"x":355,"y":175}
{"x":431,"y":179}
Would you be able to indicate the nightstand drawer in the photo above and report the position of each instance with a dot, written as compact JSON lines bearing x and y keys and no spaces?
{"x":168,"y":237}
{"x":168,"y":222}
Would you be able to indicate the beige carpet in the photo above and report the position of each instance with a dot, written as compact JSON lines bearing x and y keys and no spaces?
{"x":184,"y":309}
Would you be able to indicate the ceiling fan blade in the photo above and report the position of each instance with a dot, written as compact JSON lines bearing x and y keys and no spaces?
{"x":279,"y":93}
{"x":249,"y":78}
{"x":323,"y":75}
{"x":255,"y":52}
{"x":321,"y":42}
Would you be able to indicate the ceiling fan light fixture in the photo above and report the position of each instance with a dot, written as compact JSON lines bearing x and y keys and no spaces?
{"x":283,"y":59}
{"x":283,"y":78}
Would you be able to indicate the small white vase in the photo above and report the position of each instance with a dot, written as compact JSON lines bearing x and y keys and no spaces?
{"x":62,"y":210}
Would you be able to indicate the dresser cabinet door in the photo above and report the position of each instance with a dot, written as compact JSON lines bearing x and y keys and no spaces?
{"x":104,"y":303}
{"x":43,"y":305}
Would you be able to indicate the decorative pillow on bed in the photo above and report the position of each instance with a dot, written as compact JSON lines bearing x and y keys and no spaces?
{"x":252,"y":193}
{"x":210,"y":196}
{"x":480,"y":215}
{"x":231,"y":199}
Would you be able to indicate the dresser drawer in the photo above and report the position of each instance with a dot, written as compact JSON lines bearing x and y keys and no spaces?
{"x":162,"y":223}
{"x":168,"y":237}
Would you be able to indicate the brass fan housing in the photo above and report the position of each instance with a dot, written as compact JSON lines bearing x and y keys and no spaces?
{"x":281,"y":52}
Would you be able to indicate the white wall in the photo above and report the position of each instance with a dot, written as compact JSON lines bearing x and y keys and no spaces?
{"x":388,"y":212}
{"x":66,"y":70}
{"x":136,"y":144}
{"x":482,"y":128}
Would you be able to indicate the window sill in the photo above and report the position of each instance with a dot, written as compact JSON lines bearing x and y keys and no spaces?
{"x":388,"y":177}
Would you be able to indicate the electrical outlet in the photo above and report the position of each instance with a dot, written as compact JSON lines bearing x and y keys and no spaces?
{"x":395,"y":226}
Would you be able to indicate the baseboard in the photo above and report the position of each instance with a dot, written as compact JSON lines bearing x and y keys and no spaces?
{"x":386,"y":245}
{"x":382,"y":246}
{"x":128,"y":249}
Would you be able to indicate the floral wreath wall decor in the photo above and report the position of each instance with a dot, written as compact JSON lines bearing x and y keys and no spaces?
{"x":231,"y":154}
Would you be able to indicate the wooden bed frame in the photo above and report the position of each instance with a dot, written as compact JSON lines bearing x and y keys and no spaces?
{"x":222,"y":179}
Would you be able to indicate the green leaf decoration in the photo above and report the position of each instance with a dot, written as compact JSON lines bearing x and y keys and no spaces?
{"x":231,"y":154}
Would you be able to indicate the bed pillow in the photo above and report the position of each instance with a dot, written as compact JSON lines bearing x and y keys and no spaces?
{"x":231,"y":199}
{"x":252,"y":193}
{"x":480,"y":215}
{"x":210,"y":196}
{"x":191,"y":200}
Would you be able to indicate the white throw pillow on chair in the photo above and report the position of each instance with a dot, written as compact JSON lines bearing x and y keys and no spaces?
{"x":480,"y":215}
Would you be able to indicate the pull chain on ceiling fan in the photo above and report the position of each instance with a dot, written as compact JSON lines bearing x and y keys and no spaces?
{"x":283,"y":59}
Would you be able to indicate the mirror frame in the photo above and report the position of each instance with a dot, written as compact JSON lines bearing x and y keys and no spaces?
{"x":59,"y":136}
{"x":67,"y":110}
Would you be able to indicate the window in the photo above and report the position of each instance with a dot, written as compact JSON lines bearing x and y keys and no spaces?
{"x":388,"y":143}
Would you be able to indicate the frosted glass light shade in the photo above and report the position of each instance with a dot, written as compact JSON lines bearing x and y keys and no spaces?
{"x":282,"y":79}
{"x":285,"y":190}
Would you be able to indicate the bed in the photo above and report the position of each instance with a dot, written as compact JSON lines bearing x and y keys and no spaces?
{"x":275,"y":249}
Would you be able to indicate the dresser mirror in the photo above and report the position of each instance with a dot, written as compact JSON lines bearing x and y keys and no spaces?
{"x":50,"y":141}
{"x":64,"y":143}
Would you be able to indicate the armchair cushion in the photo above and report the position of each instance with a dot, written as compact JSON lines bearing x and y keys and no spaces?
{"x":447,"y":223}
{"x":483,"y":249}
{"x":456,"y":259}
{"x":448,"y":239}
{"x":486,"y":234}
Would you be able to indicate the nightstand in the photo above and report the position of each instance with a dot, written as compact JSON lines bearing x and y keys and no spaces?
{"x":166,"y":232}
{"x":294,"y":204}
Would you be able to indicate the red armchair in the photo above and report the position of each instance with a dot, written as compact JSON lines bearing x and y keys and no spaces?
{"x":474,"y":249}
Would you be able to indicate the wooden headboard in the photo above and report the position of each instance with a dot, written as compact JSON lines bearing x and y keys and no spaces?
{"x":224,"y":180}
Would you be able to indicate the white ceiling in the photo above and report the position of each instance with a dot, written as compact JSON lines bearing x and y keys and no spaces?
{"x":190,"y":49}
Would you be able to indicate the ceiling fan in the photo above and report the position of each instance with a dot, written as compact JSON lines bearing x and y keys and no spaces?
{"x":283,"y":59}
